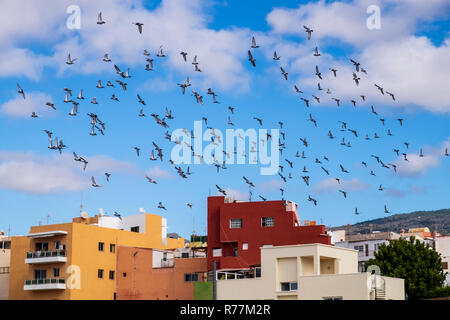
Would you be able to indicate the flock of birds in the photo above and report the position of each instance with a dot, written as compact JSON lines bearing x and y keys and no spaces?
{"x":97,"y":126}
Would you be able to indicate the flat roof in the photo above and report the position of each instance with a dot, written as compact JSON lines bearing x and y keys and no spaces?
{"x":46,"y":234}
{"x":309,"y":245}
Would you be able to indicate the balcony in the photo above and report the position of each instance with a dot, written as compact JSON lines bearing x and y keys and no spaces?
{"x":45,"y":284}
{"x":46,"y":257}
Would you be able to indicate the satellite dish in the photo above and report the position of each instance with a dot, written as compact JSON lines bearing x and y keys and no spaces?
{"x":141,"y":210}
{"x":100,"y":210}
{"x":84,"y":215}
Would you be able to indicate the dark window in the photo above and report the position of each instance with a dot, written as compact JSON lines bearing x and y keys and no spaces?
{"x":185,"y":254}
{"x":100,"y":246}
{"x":56,"y":272}
{"x":57,"y":244}
{"x":267,"y":222}
{"x":115,"y":296}
{"x":288,"y":286}
{"x":445,"y":265}
{"x":124,"y":274}
{"x":367,"y":250}
{"x":258,"y":273}
{"x":112,"y":248}
{"x":100,"y":273}
{"x":41,"y":246}
{"x":135,"y":229}
{"x":111,"y":275}
{"x":40,"y":274}
{"x":235,"y":223}
{"x":190,"y":277}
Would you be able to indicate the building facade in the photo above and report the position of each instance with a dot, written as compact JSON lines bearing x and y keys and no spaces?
{"x":150,"y":274}
{"x":237,"y":231}
{"x":309,"y":272}
{"x":442,"y":246}
{"x":366,"y":245}
{"x":78,"y":260}
{"x":5,"y":255}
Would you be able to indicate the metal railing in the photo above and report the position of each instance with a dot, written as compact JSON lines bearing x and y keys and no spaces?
{"x":243,"y":274}
{"x":46,"y":254}
{"x":4,"y":270}
{"x":44,"y":281}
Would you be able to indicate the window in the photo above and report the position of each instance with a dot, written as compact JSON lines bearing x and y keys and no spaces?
{"x":445,"y":265}
{"x":41,"y":246}
{"x":100,"y":273}
{"x":258,"y":272}
{"x":359,"y":248}
{"x":267,"y":222}
{"x":135,"y":229}
{"x":190,"y":277}
{"x":56,"y":272}
{"x":124,"y":274}
{"x":40,"y":274}
{"x":217,"y":252}
{"x":185,"y":254}
{"x":111,"y":275}
{"x":57,"y":245}
{"x":245,"y":246}
{"x":288,"y":286}
{"x":376,"y":246}
{"x":100,"y":246}
{"x":235,"y":223}
{"x":112,"y":248}
{"x":367,"y":250}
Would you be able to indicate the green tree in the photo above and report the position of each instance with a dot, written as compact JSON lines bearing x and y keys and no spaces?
{"x":416,"y":262}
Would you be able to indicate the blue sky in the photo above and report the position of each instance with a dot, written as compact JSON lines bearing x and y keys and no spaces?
{"x":408,"y":56}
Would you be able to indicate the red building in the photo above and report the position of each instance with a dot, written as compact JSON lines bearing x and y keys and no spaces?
{"x":237,"y":231}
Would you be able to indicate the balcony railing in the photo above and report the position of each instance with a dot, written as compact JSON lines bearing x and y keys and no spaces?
{"x":167,"y":263}
{"x":242,"y":274}
{"x":46,"y":254}
{"x":45,"y":281}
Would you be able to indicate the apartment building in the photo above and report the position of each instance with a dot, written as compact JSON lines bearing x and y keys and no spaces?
{"x":78,"y":260}
{"x":366,"y":244}
{"x":5,"y":253}
{"x":237,"y":230}
{"x":151,"y":274}
{"x":308,"y":272}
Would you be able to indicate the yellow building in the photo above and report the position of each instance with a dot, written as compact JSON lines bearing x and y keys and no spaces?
{"x":77,"y":260}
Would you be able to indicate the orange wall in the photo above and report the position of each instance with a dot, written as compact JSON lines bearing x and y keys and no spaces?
{"x":142,"y":282}
{"x":82,"y":250}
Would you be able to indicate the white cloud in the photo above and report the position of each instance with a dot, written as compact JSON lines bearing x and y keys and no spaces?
{"x":270,"y":186}
{"x":22,"y":108}
{"x":158,"y":173}
{"x":411,"y":67}
{"x":417,"y":165}
{"x":331,"y":185}
{"x":35,"y":174}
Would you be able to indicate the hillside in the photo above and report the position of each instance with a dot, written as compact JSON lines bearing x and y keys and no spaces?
{"x":435,"y":220}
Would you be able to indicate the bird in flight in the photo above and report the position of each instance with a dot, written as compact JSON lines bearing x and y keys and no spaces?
{"x":250,"y":58}
{"x":221,"y":190}
{"x":99,"y":19}
{"x":151,"y":180}
{"x":275,"y":56}
{"x":160,"y":206}
{"x":254,"y":46}
{"x":20,"y":91}
{"x":357,"y":64}
{"x":94,"y":183}
{"x":139,"y":25}
{"x":308,"y":31}
{"x":108,"y":175}
{"x":70,"y":60}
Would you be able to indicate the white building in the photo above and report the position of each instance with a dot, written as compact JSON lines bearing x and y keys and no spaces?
{"x":442,"y":246}
{"x":308,"y":272}
{"x":366,"y":244}
{"x":5,"y":254}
